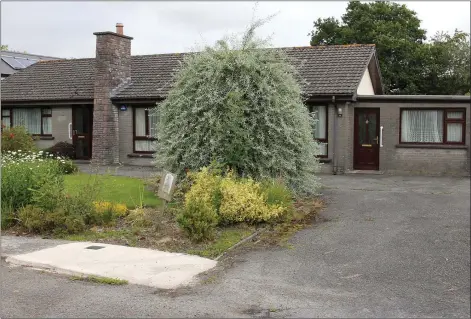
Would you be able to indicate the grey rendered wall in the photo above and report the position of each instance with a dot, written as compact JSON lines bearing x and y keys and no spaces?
{"x":61,"y":117}
{"x":416,"y":160}
{"x":126,"y":142}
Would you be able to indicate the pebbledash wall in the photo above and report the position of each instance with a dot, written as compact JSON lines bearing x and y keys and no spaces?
{"x":396,"y":158}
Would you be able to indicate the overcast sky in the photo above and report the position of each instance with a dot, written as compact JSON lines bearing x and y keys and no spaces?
{"x":64,"y":29}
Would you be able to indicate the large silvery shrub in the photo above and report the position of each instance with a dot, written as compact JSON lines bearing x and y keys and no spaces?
{"x":239,"y":104}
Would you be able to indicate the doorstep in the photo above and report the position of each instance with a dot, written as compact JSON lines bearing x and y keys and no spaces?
{"x":363,"y":172}
{"x":81,"y":161}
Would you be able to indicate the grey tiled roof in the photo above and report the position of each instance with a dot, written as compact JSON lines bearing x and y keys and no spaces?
{"x":328,"y":70}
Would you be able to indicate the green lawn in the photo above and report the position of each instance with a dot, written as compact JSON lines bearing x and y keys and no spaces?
{"x":116,"y":189}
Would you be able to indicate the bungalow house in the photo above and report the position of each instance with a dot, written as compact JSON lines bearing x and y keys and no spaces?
{"x":101,"y":106}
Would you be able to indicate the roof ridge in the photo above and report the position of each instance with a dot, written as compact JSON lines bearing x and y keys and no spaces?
{"x":292,"y":47}
{"x":62,"y":60}
{"x":27,"y":53}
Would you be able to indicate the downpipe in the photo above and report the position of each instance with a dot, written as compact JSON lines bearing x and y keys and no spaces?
{"x":334,"y":138}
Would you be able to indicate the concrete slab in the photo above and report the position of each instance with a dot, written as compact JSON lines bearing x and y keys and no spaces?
{"x":136,"y":265}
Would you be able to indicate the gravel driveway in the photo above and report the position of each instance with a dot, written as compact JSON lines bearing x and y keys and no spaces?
{"x":387,"y":247}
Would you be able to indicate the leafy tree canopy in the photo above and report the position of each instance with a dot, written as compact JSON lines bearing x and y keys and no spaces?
{"x":409,"y":64}
{"x":447,"y":67}
{"x":239,"y":104}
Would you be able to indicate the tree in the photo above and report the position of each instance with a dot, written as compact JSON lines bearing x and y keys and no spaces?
{"x":393,"y":28}
{"x":448,"y":64}
{"x":3,"y":47}
{"x":239,"y":104}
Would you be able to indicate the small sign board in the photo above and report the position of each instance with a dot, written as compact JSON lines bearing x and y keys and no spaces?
{"x":167,"y":185}
{"x":123,"y":107}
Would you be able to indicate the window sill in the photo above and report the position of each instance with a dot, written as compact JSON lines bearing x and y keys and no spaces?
{"x":324,"y":160}
{"x":434,"y":146}
{"x":45,"y":137}
{"x":138,"y":155}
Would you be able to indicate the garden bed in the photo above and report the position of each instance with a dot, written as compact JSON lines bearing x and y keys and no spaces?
{"x":142,"y":219}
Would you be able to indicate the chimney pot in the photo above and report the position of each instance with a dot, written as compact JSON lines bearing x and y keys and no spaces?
{"x":119,"y":28}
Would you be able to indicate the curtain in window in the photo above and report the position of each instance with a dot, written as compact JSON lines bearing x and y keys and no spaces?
{"x":140,"y":121}
{"x":144,"y":146}
{"x":323,"y":149}
{"x":6,"y":118}
{"x":6,"y":122}
{"x":153,"y":121}
{"x":29,"y":118}
{"x":454,"y":115}
{"x":320,"y":114}
{"x":454,"y":132}
{"x":422,"y":126}
{"x":47,"y":125}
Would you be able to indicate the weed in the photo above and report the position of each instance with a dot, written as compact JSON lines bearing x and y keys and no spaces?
{"x":100,"y":280}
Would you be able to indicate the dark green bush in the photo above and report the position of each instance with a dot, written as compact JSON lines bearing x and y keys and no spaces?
{"x":277,"y":193}
{"x":33,"y":219}
{"x":62,"y":149}
{"x":198,"y":220}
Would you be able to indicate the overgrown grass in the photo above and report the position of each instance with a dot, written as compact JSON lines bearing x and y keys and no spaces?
{"x":116,"y":189}
{"x":226,"y":239}
{"x":100,"y":280}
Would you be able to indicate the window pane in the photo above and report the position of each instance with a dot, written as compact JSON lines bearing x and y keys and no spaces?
{"x":422,"y":126}
{"x":323,"y":149}
{"x":47,"y":111}
{"x":454,"y":132}
{"x":144,"y":146}
{"x":5,"y":112}
{"x":153,"y":121}
{"x":29,"y":118}
{"x":454,"y":115}
{"x":47,"y":125}
{"x":6,"y":122}
{"x":140,"y":121}
{"x":320,"y":115}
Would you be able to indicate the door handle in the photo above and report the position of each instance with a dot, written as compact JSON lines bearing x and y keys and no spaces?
{"x":376,"y":139}
{"x":381,"y":136}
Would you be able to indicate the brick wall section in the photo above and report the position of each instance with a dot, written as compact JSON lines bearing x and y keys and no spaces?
{"x":112,"y":69}
{"x":395,"y":159}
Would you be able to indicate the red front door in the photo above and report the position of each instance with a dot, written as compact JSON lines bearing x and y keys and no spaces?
{"x":366,"y":139}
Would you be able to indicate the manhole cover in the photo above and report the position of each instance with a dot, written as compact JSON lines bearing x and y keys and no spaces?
{"x":95,"y":247}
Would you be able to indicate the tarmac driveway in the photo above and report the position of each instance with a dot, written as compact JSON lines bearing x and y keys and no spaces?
{"x":388,"y":247}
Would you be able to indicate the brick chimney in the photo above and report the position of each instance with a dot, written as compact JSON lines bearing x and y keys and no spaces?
{"x":112,"y":69}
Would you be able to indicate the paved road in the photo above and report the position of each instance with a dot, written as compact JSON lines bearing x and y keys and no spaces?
{"x":389,"y":247}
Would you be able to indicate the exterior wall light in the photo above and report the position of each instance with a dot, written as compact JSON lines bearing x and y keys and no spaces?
{"x":339,"y":112}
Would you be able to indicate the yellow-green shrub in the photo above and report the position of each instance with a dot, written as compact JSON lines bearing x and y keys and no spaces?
{"x":199,"y":216}
{"x":243,"y":200}
{"x":118,"y":210}
{"x":205,"y":189}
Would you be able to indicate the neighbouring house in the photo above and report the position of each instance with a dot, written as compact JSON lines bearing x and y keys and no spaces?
{"x":102,"y":106}
{"x":11,"y":62}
